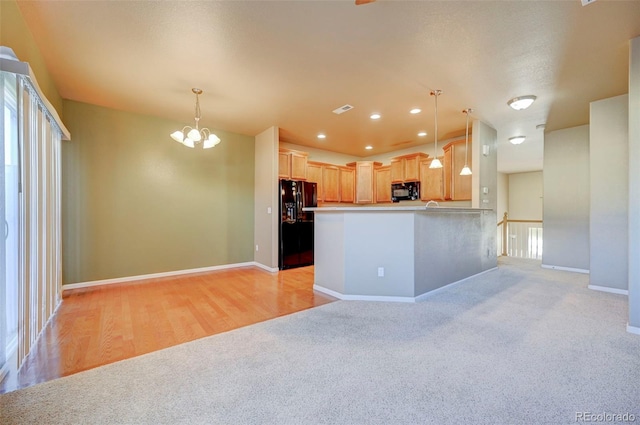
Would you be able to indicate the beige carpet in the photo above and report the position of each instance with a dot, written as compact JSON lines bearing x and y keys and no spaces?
{"x":517,"y":345}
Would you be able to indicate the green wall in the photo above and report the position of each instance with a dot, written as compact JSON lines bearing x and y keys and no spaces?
{"x":136,"y":202}
{"x":15,"y":34}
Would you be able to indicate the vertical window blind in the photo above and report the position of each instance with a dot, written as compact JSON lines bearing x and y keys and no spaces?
{"x":39,"y":274}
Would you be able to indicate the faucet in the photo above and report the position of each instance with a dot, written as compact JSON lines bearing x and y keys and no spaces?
{"x":430,"y":203}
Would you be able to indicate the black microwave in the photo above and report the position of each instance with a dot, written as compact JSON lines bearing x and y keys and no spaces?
{"x":405,"y":191}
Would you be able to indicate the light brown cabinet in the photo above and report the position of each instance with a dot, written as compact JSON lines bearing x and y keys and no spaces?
{"x":365,"y":181}
{"x":292,"y":164}
{"x":431,"y":181}
{"x":330,"y":183}
{"x":406,"y":168}
{"x":456,"y":187}
{"x":314,"y":175}
{"x":347,"y":184}
{"x":383,"y":184}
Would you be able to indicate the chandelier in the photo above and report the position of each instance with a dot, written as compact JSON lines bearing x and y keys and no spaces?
{"x":190,"y":136}
{"x":436,"y":162}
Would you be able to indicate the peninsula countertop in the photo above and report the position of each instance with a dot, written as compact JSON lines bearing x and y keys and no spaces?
{"x":399,"y":253}
{"x":415,"y":208}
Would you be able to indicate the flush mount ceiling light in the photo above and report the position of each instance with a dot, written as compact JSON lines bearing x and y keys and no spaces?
{"x":516,"y":140}
{"x":435,"y":163}
{"x":422,"y":134}
{"x":321,"y":136}
{"x":466,"y":171}
{"x":375,"y":116}
{"x":189,"y":136}
{"x":415,"y":111}
{"x":368,"y":147}
{"x":521,"y":102}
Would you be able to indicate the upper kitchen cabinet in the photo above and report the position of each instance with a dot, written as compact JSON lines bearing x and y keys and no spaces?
{"x":365,"y":181}
{"x":406,"y":168}
{"x":383,"y":184}
{"x":330,"y":183}
{"x":314,"y":175}
{"x":431,"y":181}
{"x":456,"y":187}
{"x":292,"y":164}
{"x":347,"y":184}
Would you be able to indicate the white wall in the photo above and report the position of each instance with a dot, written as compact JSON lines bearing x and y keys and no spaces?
{"x":503,"y":206}
{"x":566,"y":198}
{"x":525,"y":196}
{"x":609,"y":178}
{"x":484,"y":167}
{"x":634,"y":186}
{"x":265,"y":197}
{"x":503,"y":195}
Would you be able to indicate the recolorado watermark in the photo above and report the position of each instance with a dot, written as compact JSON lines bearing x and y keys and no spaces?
{"x":605,"y":417}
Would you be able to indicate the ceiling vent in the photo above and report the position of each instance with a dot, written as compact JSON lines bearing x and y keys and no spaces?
{"x":342,"y":109}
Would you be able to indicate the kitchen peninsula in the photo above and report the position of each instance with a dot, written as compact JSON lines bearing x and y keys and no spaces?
{"x":400,"y":253}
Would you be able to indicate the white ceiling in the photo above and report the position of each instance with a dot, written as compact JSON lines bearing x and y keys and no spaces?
{"x":291,"y":63}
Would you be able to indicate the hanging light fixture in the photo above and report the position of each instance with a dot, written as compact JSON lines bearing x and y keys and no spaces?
{"x":435,"y":163}
{"x":466,"y":171}
{"x":190,"y":136}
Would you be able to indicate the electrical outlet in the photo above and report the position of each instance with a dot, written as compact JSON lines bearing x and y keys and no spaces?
{"x":380,"y":271}
{"x":257,"y":248}
{"x":268,"y":212}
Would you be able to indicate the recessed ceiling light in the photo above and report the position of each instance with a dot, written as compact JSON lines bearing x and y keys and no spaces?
{"x":415,"y":111}
{"x":322,"y":136}
{"x":516,"y":140}
{"x":422,"y":134}
{"x":375,"y":116}
{"x":521,"y":102}
{"x":368,"y":147}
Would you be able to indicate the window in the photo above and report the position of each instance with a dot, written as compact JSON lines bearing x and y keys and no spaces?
{"x":9,"y":218}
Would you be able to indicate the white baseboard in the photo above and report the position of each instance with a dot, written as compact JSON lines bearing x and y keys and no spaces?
{"x":566,"y":269}
{"x":267,"y":268}
{"x":609,"y":290}
{"x":88,"y":284}
{"x":633,"y":329}
{"x":388,"y":298}
{"x":426,"y":295}
{"x":347,"y":297}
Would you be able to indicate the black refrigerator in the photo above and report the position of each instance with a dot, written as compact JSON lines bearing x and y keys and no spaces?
{"x":296,"y":225}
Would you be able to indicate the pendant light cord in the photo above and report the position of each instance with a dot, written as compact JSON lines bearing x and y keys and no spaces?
{"x":466,"y":139}
{"x":197,"y":109}
{"x":436,"y":93}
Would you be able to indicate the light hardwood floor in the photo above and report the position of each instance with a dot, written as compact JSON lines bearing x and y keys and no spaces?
{"x":101,"y":325}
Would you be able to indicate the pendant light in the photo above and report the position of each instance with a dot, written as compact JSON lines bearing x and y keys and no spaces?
{"x":466,"y":171}
{"x":435,"y":163}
